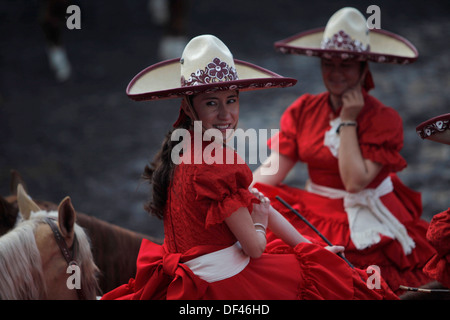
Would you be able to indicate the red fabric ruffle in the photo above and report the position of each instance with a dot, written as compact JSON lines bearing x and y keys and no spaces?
{"x":306,"y":272}
{"x":159,"y":276}
{"x":218,"y":211}
{"x":223,"y":191}
{"x":388,"y":157}
{"x":330,"y":218}
{"x":438,"y":235}
{"x":201,"y":197}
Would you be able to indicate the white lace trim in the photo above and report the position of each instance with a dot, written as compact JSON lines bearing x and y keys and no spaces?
{"x":331,"y":139}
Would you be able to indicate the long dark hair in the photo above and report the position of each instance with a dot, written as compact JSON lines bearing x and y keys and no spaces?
{"x":159,"y":173}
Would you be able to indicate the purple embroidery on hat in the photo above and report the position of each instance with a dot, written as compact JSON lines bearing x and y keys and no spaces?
{"x":342,"y":41}
{"x":215,"y":71}
{"x":433,"y":128}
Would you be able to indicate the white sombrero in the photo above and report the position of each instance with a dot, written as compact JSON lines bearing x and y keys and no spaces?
{"x":436,"y":129}
{"x":206,"y":65}
{"x":347,"y":36}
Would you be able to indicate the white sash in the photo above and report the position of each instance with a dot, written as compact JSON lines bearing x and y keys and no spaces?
{"x":367,"y":215}
{"x":219,"y":265}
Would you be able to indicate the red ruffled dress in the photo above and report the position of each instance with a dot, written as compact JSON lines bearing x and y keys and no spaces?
{"x":200,"y":197}
{"x":380,"y":133}
{"x":438,"y":234}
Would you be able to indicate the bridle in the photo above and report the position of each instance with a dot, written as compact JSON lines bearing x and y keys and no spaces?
{"x":68,"y":253}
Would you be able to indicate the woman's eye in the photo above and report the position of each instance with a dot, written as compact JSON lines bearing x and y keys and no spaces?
{"x":211,"y":103}
{"x":230,"y":101}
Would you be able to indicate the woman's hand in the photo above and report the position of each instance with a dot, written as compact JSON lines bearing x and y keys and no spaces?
{"x":335,"y":249}
{"x":352,"y":103}
{"x":260,"y":213}
{"x":356,"y":172}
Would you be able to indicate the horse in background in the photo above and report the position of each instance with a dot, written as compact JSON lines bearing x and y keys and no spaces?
{"x":32,"y":263}
{"x":115,"y":249}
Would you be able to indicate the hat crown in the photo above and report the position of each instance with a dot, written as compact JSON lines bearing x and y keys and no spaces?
{"x":206,"y":59}
{"x":346,"y":30}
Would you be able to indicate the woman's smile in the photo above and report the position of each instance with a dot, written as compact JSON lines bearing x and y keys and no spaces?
{"x":218,"y":110}
{"x":222,"y":127}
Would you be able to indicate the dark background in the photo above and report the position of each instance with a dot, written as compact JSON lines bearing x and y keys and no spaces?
{"x":84,"y":137}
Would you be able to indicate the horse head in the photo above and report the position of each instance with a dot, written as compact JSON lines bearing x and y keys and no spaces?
{"x":115,"y":249}
{"x":38,"y":266}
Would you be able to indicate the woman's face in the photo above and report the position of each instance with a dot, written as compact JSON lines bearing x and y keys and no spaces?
{"x":340,"y":75}
{"x":218,"y":110}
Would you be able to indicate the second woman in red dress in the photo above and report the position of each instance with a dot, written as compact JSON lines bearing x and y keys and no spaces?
{"x":351,"y":143}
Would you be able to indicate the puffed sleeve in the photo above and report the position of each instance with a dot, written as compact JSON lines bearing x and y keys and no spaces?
{"x":225,"y":187}
{"x":285,"y":141}
{"x":438,"y":233}
{"x":381,"y":138}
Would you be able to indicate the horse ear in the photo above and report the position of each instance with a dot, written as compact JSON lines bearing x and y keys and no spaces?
{"x":26,"y":205}
{"x":66,"y":217}
{"x":16,"y":179}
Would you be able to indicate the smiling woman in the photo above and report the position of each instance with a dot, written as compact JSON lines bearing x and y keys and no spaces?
{"x":351,"y":143}
{"x":219,"y":110}
{"x":214,"y":225}
{"x":341,"y":75}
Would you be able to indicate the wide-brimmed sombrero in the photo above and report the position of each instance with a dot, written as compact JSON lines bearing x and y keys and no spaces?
{"x":206,"y":65}
{"x":436,"y":129}
{"x":346,"y":36}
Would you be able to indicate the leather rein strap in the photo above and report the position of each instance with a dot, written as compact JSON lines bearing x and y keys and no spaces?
{"x":68,"y":254}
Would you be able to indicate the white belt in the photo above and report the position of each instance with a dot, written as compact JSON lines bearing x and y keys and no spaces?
{"x":219,"y":265}
{"x":367,"y":215}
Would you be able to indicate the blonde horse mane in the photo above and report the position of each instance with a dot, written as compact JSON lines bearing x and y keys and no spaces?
{"x":20,"y":262}
{"x":21,"y":275}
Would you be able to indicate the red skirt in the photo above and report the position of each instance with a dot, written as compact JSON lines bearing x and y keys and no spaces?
{"x":306,"y":272}
{"x":330,"y":218}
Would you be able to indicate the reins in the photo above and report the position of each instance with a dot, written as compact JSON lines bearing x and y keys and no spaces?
{"x":426,"y":290}
{"x":68,"y":254}
{"x":313,"y":228}
{"x":317,"y":232}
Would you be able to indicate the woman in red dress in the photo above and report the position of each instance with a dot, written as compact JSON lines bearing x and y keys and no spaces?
{"x":215,"y":228}
{"x":438,"y":129}
{"x":351,"y":143}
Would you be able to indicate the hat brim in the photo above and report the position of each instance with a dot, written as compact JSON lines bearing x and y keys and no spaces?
{"x":385,"y":47}
{"x":436,"y":129}
{"x":163,"y":81}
